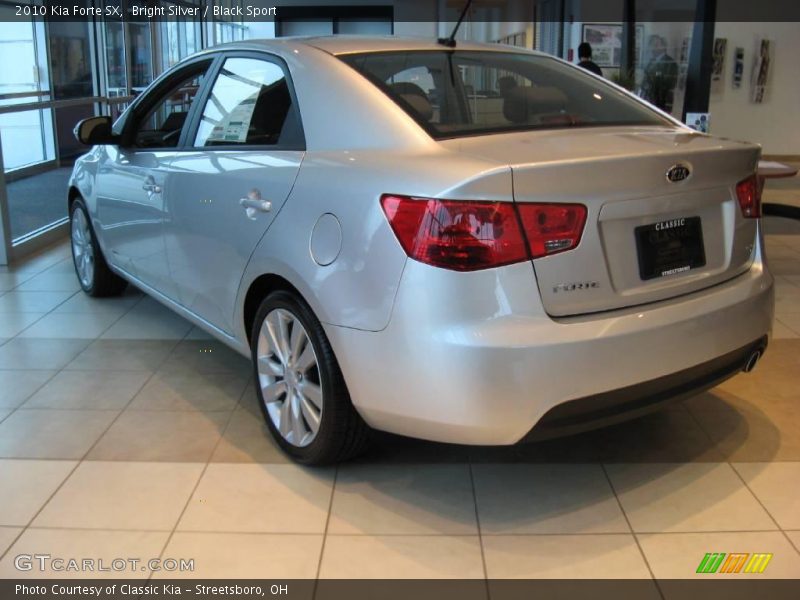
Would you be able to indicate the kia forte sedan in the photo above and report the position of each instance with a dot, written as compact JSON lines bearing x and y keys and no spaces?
{"x":473,"y":244}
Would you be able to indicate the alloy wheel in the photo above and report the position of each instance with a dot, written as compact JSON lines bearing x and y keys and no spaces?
{"x":289,"y":377}
{"x":82,"y":248}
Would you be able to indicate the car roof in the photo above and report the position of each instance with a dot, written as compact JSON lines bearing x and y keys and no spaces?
{"x":350,"y":44}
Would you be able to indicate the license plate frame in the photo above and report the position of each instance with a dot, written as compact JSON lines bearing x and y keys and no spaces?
{"x":670,"y":247}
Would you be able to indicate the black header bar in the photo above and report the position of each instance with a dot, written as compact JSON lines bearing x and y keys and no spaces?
{"x":485,"y":11}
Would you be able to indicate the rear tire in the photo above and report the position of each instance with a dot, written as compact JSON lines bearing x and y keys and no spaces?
{"x":94,"y":274}
{"x":307,"y":408}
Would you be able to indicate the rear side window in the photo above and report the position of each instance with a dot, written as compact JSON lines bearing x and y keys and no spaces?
{"x":459,"y":93}
{"x":250,"y":104}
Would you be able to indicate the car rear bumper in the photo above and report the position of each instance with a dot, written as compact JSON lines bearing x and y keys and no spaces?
{"x":636,"y":400}
{"x":472,"y":358}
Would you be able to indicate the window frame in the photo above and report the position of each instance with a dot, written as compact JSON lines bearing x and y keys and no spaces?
{"x":193,"y":120}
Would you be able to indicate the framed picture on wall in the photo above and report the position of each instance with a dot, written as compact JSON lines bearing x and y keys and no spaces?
{"x":738,"y":67}
{"x":760,"y":77}
{"x":718,"y":63}
{"x":606,"y":42}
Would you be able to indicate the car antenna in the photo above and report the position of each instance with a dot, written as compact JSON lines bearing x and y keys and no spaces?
{"x":450,"y":42}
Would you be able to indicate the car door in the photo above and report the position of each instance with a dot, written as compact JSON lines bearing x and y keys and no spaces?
{"x":133,"y":180}
{"x":236,"y":171}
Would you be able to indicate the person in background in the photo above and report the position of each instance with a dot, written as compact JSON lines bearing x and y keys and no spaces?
{"x":660,"y":75}
{"x":585,"y":59}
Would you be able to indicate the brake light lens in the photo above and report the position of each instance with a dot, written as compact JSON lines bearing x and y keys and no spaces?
{"x":463,"y":236}
{"x":748,"y":192}
{"x":552,"y":228}
{"x":471,"y":235}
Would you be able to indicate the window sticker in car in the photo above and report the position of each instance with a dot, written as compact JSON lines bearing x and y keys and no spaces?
{"x":234,"y":126}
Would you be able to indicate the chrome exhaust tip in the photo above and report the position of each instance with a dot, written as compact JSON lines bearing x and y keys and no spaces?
{"x":751,"y":362}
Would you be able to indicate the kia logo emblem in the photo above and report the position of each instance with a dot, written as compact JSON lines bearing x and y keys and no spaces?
{"x":679,"y":172}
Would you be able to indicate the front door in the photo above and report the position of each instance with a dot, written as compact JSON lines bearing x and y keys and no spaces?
{"x":243,"y":155}
{"x":134,"y":179}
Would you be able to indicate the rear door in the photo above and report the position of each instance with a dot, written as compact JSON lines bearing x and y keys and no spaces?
{"x":240,"y":160}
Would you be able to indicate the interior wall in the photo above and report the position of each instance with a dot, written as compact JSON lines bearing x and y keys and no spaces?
{"x":774,"y":123}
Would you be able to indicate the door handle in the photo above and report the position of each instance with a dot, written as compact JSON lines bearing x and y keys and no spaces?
{"x":151,"y":187}
{"x":258,"y":204}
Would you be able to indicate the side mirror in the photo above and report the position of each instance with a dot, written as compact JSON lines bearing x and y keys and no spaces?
{"x":94,"y":131}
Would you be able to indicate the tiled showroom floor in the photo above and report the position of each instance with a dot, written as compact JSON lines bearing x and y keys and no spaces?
{"x":124,"y":432}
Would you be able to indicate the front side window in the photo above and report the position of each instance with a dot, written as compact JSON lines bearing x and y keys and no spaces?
{"x":162,"y":123}
{"x":458,"y":93}
{"x":249,"y":104}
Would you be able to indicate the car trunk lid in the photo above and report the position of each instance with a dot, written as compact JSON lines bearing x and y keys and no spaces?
{"x":626,"y":256}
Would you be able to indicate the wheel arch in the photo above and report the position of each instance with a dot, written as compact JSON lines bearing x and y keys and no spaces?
{"x":73,"y":194}
{"x":257,"y":291}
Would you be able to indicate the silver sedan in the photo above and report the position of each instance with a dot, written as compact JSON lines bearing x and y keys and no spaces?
{"x":474,"y":244}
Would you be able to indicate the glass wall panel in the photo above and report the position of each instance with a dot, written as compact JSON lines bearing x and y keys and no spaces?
{"x":225,"y":32}
{"x":306,"y":27}
{"x":70,"y":59}
{"x":178,"y":39}
{"x":365,"y":26}
{"x":26,"y":136}
{"x":19,"y":71}
{"x":141,"y":55}
{"x":37,"y":201}
{"x":116,"y":72}
{"x":662,"y":60}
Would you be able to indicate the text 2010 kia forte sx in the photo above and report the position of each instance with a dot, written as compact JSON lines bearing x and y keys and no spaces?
{"x":475,"y":244}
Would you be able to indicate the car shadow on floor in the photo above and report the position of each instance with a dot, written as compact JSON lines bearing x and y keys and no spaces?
{"x":750,"y":419}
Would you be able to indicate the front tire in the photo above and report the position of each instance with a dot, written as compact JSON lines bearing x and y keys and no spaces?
{"x":300,"y":387}
{"x":94,"y":274}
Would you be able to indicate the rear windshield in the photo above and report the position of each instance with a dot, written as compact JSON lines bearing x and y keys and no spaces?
{"x":455,"y":93}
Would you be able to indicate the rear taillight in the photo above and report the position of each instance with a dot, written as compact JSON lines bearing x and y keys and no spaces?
{"x":467,"y":236}
{"x":464,"y":236}
{"x":552,"y":228}
{"x":748,"y":193}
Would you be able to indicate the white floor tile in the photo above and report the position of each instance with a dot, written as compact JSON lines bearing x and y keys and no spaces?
{"x":245,"y":556}
{"x":546,"y":499}
{"x":7,"y":537}
{"x":686,"y":497}
{"x":149,"y":320}
{"x":564,"y":557}
{"x":122,"y":495}
{"x":401,"y":557}
{"x":74,"y":326}
{"x":50,"y":433}
{"x":51,"y":281}
{"x":403,"y":499}
{"x":101,"y":390}
{"x":777,"y":486}
{"x":45,"y":354}
{"x":35,"y":302}
{"x":13,"y":323}
{"x":260,"y":498}
{"x":27,"y":485}
{"x":18,"y":385}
